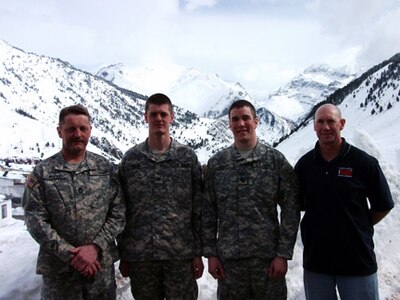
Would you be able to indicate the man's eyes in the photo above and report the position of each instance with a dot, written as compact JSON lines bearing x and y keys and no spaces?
{"x":328,"y":121}
{"x":238,"y":119}
{"x":72,"y":129}
{"x":163,"y":115}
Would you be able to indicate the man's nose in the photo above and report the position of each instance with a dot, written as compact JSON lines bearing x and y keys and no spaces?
{"x":325,"y":125}
{"x":78,"y":132}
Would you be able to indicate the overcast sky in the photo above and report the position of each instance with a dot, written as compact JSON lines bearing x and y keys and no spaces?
{"x":259,"y":43}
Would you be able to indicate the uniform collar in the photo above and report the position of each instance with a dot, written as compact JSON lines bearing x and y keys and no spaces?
{"x":86,"y":163}
{"x":256,"y":154}
{"x":171,"y":152}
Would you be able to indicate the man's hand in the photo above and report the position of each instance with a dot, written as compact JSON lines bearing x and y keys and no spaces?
{"x":198,"y":267}
{"x":124,"y":268}
{"x":85,"y":260}
{"x":377,"y":216}
{"x":91,"y":270}
{"x":277,"y":268}
{"x":215,"y":268}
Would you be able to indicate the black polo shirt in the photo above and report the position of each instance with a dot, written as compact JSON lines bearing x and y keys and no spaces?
{"x":336,"y":228}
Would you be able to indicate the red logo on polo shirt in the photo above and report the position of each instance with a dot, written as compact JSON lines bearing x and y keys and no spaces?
{"x":345,"y":172}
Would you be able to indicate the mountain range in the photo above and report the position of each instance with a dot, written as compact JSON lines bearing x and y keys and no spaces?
{"x":298,"y":96}
{"x":33,"y":88}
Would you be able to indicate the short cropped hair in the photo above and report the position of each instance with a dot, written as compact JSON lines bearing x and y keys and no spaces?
{"x":74,"y":110}
{"x":242,"y":103}
{"x":158,"y":99}
{"x":333,"y":106}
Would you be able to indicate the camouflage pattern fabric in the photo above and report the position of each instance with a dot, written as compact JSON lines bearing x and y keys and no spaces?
{"x":246,"y":278}
{"x":240,"y":215}
{"x":163,"y":198}
{"x":73,"y":286}
{"x":66,"y":209}
{"x":178,"y":282}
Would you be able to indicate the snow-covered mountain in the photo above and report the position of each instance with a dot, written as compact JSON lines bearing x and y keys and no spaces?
{"x":297,"y":97}
{"x":206,"y":95}
{"x":371,"y":105}
{"x":34,"y":88}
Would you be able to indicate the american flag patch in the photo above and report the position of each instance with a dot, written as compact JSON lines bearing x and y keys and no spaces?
{"x":345,"y":172}
{"x":31,"y":181}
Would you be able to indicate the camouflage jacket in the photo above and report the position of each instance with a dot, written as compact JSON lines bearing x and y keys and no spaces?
{"x":240,"y":215}
{"x":163,"y":198}
{"x":66,"y":209}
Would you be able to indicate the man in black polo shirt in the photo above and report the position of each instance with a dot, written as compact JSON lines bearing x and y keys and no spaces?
{"x":344,"y":194}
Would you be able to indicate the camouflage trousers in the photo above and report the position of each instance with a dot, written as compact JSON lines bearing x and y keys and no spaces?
{"x":246,"y":278}
{"x":167,"y":279}
{"x":74,"y":286}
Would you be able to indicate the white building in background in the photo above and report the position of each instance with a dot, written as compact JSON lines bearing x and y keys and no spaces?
{"x":5,"y":211}
{"x":12,"y":184}
{"x":11,"y":190}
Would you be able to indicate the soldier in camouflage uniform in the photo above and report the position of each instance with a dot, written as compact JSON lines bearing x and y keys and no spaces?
{"x":246,"y":244}
{"x":74,"y":209}
{"x":160,"y":246}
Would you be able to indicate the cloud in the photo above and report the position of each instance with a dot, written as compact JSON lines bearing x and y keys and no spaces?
{"x":192,"y":5}
{"x":367,"y":25}
{"x":384,"y":41}
{"x":256,"y":42}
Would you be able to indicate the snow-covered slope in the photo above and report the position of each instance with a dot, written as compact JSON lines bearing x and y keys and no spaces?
{"x":206,"y":95}
{"x":371,"y":105}
{"x":312,"y":86}
{"x":34,"y":88}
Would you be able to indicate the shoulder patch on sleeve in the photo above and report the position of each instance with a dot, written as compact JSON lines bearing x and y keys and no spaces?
{"x":31,"y":181}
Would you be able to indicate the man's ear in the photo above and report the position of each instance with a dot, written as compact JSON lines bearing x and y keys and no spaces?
{"x":342,"y":123}
{"x":256,"y":120}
